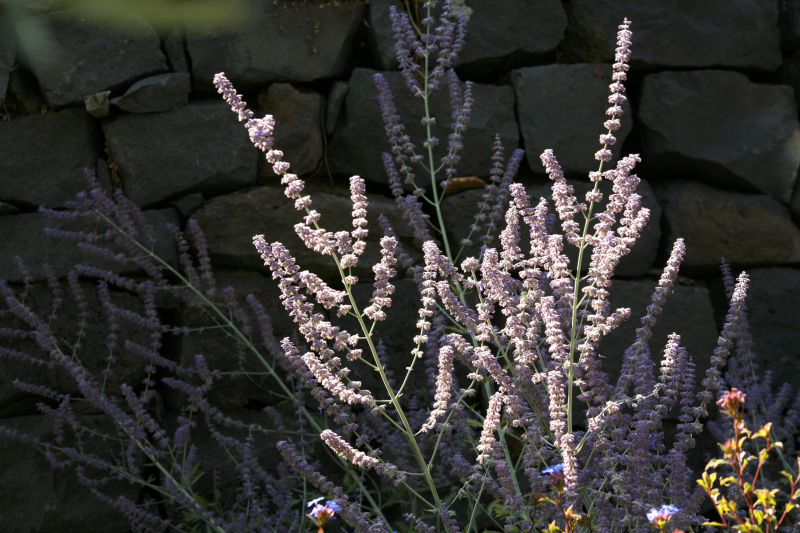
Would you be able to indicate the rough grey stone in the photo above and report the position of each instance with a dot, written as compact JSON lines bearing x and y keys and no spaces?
{"x":264,"y":43}
{"x":773,"y":299}
{"x":23,"y":235}
{"x":163,"y":92}
{"x":176,"y":53}
{"x":745,"y":229}
{"x":188,"y":204}
{"x":37,"y":497}
{"x":87,"y":49}
{"x":687,"y":312}
{"x":459,"y":211}
{"x":50,"y":152}
{"x":730,"y":33}
{"x":8,"y":209}
{"x":381,"y":36}
{"x":97,"y":104}
{"x":790,"y":24}
{"x":220,"y":350}
{"x":22,"y":97}
{"x":103,"y":174}
{"x":562,"y":107}
{"x":8,"y":51}
{"x":359,"y":141}
{"x":128,"y":368}
{"x":158,"y":157}
{"x":334,"y":106}
{"x":519,"y":32}
{"x":230,"y":222}
{"x":297,"y":126}
{"x":721,"y":128}
{"x":496,"y":38}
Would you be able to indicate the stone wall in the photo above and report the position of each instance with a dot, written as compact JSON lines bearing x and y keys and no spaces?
{"x":713,"y":91}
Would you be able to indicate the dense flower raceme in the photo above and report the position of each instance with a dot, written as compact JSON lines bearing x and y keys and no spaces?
{"x":534,"y":365}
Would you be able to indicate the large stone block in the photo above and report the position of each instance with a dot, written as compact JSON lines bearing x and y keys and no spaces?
{"x":459,"y":211}
{"x":298,"y":130}
{"x":360,"y":139}
{"x":37,"y":497}
{"x":263,"y":42}
{"x":562,"y":107}
{"x":686,"y":33}
{"x":721,"y":128}
{"x":496,"y":38}
{"x":87,"y":49}
{"x":23,"y":235}
{"x":129,"y":368}
{"x":197,"y":148}
{"x":745,"y":229}
{"x":163,"y":92}
{"x":773,"y":299}
{"x":687,"y":312}
{"x":45,"y":155}
{"x":231,"y":221}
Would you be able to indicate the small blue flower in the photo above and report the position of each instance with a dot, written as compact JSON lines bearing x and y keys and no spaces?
{"x":333,"y":505}
{"x":553,"y":469}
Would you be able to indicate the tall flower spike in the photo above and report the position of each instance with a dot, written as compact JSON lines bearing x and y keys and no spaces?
{"x":563,"y":197}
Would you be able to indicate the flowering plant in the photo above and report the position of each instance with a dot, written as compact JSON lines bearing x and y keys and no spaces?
{"x":508,"y":337}
{"x":760,"y":500}
{"x":533,"y":366}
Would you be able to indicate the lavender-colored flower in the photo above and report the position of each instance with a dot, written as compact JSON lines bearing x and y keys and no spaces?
{"x":490,"y":425}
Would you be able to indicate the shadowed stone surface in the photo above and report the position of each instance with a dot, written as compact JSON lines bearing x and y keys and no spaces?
{"x":334,"y":105}
{"x":24,"y":236}
{"x":156,"y":93}
{"x":8,"y":50}
{"x":685,"y":33}
{"x":360,"y":140}
{"x":745,"y":229}
{"x":176,"y":53}
{"x":231,"y":221}
{"x":88,"y":49}
{"x":297,"y":127}
{"x":496,"y":38}
{"x":197,"y":148}
{"x":219,"y":348}
{"x":50,"y":152}
{"x":562,"y":107}
{"x":790,"y":24}
{"x":22,"y":95}
{"x":37,"y":498}
{"x":773,"y":299}
{"x":687,"y":312}
{"x":128,"y":368}
{"x":720,"y":128}
{"x":794,"y":206}
{"x":459,"y":211}
{"x":262,"y":42}
{"x":8,"y":209}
